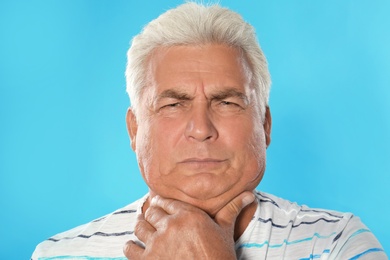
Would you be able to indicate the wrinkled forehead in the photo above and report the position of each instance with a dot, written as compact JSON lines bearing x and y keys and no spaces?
{"x":224,"y":53}
{"x":176,"y":66}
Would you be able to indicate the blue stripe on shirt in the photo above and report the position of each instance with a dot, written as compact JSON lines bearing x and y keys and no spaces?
{"x":326,"y":251}
{"x":257,"y":245}
{"x":371,"y":250}
{"x":363,"y":230}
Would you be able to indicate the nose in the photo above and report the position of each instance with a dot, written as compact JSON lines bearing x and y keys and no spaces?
{"x":200,"y":126}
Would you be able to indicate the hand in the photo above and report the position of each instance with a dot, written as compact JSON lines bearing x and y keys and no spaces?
{"x":173,"y":229}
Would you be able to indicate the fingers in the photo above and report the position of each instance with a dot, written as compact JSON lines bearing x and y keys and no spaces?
{"x":143,"y":229}
{"x":153,"y":219}
{"x":170,"y":206}
{"x":132,"y":250}
{"x":156,"y":216}
{"x":228,"y":214}
{"x":225,"y":217}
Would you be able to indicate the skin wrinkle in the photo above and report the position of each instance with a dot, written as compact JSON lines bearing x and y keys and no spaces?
{"x":200,"y":145}
{"x":157,"y":175}
{"x":247,"y":71}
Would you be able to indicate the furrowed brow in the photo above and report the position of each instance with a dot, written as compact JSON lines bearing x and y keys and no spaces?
{"x":228,"y":93}
{"x":170,"y":93}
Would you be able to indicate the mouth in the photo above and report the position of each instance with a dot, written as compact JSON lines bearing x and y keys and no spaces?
{"x":203,"y":163}
{"x":202,"y":160}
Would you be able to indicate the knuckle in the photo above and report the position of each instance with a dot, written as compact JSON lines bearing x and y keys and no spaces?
{"x":234,"y":207}
{"x":138,"y":228}
{"x":148,"y":213}
{"x":152,"y":216}
{"x":172,"y":205}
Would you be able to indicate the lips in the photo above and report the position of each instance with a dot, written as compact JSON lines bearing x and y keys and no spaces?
{"x":204,"y":160}
{"x":203,"y":164}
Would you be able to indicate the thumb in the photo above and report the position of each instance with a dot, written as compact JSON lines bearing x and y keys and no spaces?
{"x":227,"y":216}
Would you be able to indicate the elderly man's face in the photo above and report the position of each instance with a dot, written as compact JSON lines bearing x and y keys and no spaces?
{"x":199,"y":137}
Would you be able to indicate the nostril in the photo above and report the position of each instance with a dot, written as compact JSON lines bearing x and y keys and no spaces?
{"x":201,"y":128}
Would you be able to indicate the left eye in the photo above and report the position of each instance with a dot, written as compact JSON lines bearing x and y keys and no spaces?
{"x":226,"y":103}
{"x":173,"y":105}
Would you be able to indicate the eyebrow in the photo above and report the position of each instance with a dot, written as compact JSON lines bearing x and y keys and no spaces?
{"x":230,"y":92}
{"x":219,"y":95}
{"x":170,"y":93}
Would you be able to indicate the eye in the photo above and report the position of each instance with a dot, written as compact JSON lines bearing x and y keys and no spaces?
{"x":228,"y":103}
{"x":224,"y":103}
{"x":227,"y":106}
{"x":172,"y":105}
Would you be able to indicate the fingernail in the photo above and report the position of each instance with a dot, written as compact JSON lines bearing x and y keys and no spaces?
{"x":154,"y":200}
{"x":248,"y":199}
{"x":126,"y":247}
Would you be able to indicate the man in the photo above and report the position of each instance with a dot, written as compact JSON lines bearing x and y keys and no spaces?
{"x":200,"y":125}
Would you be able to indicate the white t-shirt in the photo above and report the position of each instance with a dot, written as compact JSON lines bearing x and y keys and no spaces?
{"x":279,"y":229}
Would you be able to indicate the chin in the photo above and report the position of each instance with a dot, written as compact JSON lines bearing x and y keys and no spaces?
{"x":210,"y":204}
{"x":206,"y":196}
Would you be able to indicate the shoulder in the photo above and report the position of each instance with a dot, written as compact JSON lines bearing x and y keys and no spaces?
{"x":113,"y":229}
{"x":338,"y":234}
{"x":283,"y":209}
{"x":298,"y":222}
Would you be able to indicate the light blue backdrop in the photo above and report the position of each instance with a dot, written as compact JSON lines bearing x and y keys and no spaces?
{"x":64,"y":151}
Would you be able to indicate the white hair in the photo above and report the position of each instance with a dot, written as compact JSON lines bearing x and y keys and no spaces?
{"x":196,"y":24}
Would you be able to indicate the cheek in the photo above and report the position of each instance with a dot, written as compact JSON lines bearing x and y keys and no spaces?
{"x":251,"y":153}
{"x":165,"y":134}
{"x":257,"y":145}
{"x":246,"y":137}
{"x":156,"y":144}
{"x":259,"y":151}
{"x":143,"y":150}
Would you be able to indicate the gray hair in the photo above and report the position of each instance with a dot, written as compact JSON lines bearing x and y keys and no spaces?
{"x":196,"y":24}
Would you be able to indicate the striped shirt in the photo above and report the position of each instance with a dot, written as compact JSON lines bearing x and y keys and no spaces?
{"x":279,"y":229}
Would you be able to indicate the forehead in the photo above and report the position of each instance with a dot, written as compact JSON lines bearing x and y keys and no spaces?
{"x":207,"y":66}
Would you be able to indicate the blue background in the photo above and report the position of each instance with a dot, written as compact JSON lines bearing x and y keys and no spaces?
{"x":64,"y":152}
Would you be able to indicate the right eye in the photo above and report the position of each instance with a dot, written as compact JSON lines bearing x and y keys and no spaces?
{"x":176,"y":104}
{"x":171,"y":107}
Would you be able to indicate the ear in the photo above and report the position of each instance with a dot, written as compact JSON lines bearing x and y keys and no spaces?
{"x":132,"y":127}
{"x":267,"y":126}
